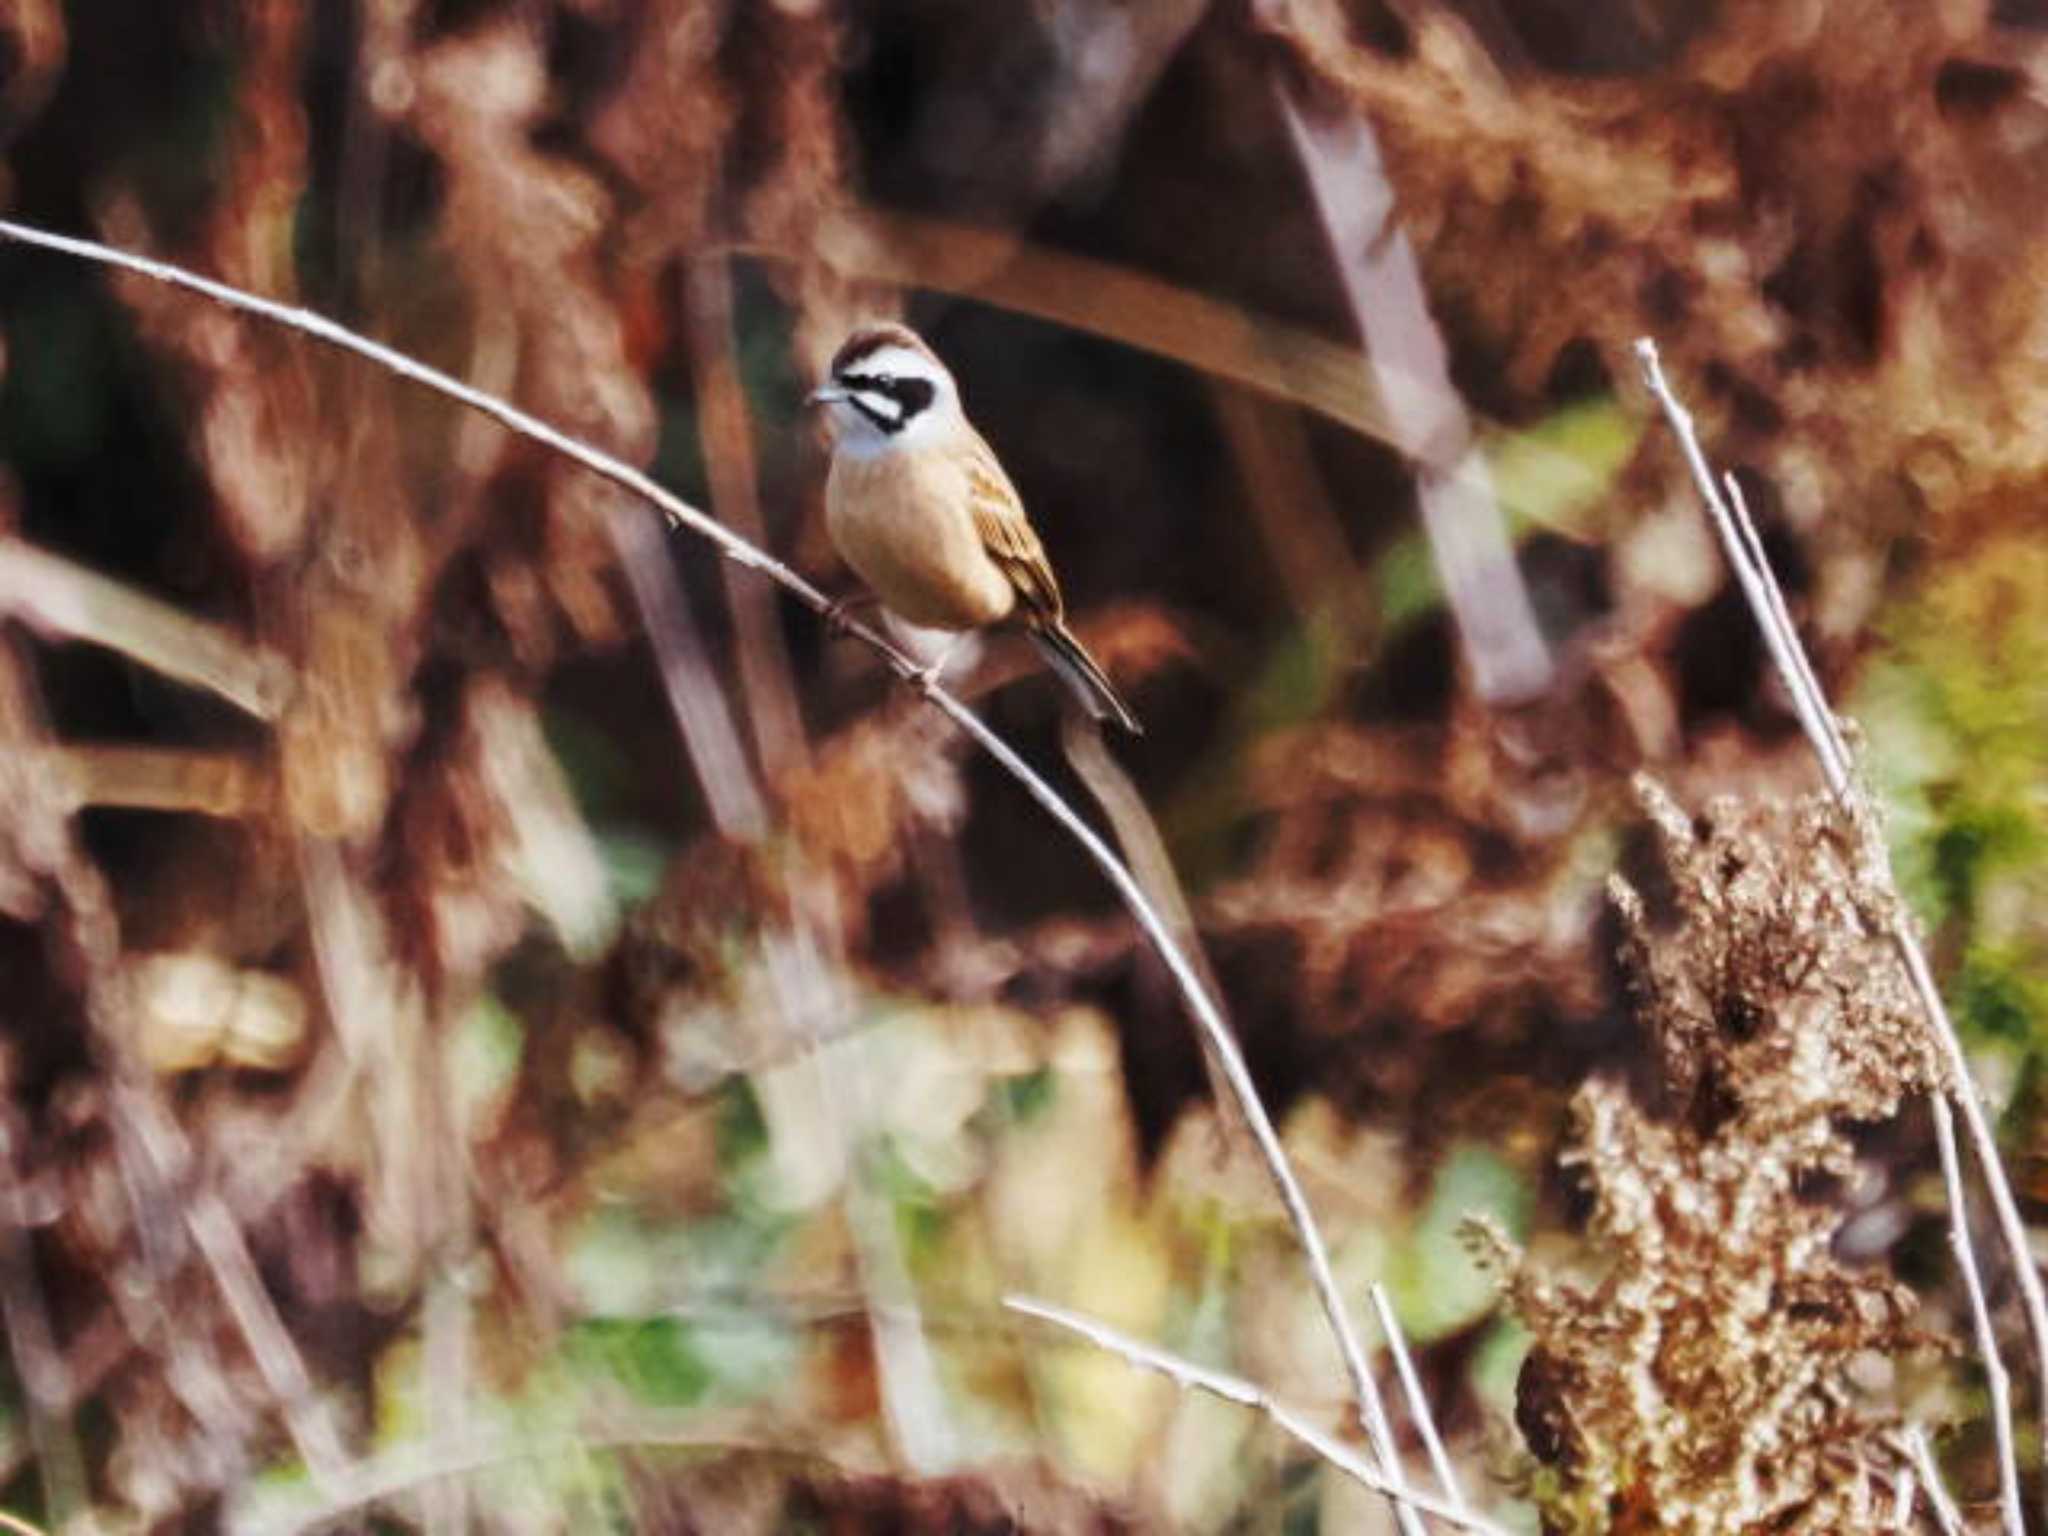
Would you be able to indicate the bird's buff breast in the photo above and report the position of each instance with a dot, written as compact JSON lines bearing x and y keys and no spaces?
{"x":909,"y":534}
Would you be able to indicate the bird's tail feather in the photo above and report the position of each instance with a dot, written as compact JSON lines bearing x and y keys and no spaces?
{"x":1077,"y":669}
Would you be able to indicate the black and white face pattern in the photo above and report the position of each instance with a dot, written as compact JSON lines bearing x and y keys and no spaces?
{"x":890,"y":395}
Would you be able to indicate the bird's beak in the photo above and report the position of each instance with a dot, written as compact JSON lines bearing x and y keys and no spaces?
{"x":825,"y":394}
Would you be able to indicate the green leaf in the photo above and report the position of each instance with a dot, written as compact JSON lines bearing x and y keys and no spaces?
{"x":2000,"y":998}
{"x":1438,"y":1288}
{"x":1404,"y":581}
{"x":741,"y":1130}
{"x":1027,"y":1095}
{"x":1496,"y":1368}
{"x":1558,"y":473}
{"x":635,"y":860}
{"x":1973,"y":842}
{"x":483,"y":1056}
{"x":654,"y":1358}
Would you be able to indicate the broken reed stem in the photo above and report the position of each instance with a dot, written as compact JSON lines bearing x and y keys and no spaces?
{"x":1500,"y":641}
{"x":1745,"y":554}
{"x":59,"y":596}
{"x":1237,"y":1390}
{"x":1207,"y":1019}
{"x":767,"y":679}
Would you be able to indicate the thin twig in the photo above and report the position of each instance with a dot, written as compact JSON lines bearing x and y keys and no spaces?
{"x":151,"y":1148}
{"x":1807,"y":693}
{"x":1237,"y":1390}
{"x":702,"y":714}
{"x":1418,"y":1402}
{"x":1145,"y":851}
{"x":1913,"y":1442}
{"x":1905,"y":1491}
{"x":1203,"y":1010}
{"x":1996,"y":1380}
{"x":312,"y":1427}
{"x":1744,"y":551}
{"x":1795,"y":669}
{"x":808,"y":1123}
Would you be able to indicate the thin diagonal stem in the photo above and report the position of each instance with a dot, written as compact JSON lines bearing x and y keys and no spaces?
{"x":1237,"y":1390}
{"x":1417,"y":1399}
{"x":1206,"y":1016}
{"x":1996,"y":1381}
{"x":1744,"y":550}
{"x":1918,"y":1456}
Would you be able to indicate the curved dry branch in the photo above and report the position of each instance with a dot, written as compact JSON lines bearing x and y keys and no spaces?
{"x":1203,"y":1009}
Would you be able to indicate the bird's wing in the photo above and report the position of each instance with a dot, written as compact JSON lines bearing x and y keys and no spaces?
{"x":1008,"y":536}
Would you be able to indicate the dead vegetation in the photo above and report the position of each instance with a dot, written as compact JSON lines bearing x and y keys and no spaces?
{"x":1704,"y":1376}
{"x":507,"y":1024}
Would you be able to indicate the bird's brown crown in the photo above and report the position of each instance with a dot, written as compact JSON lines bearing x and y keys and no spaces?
{"x":870,"y":338}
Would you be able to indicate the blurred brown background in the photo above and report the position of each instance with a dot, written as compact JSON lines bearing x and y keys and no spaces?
{"x":509,"y":1024}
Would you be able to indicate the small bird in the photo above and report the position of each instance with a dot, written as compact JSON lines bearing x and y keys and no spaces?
{"x":919,"y":506}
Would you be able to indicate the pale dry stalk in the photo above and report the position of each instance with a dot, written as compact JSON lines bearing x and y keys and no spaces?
{"x":1235,"y":1389}
{"x":1208,"y":1019}
{"x":1745,"y":555}
{"x":1418,"y":1401}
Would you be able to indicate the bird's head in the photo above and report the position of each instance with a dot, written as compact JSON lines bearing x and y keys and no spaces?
{"x":886,"y":390}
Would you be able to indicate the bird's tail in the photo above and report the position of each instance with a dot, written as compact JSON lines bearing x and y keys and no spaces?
{"x":1077,"y":669}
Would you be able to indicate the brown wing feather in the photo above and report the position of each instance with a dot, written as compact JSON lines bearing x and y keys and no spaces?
{"x":1008,"y":536}
{"x":1012,"y":543}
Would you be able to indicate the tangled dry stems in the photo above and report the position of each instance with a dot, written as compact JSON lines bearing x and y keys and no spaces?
{"x":1701,"y":1382}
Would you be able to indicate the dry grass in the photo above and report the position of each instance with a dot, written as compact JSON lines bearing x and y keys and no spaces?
{"x":490,"y":992}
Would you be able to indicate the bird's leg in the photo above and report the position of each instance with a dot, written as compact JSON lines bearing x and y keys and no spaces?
{"x":839,"y":613}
